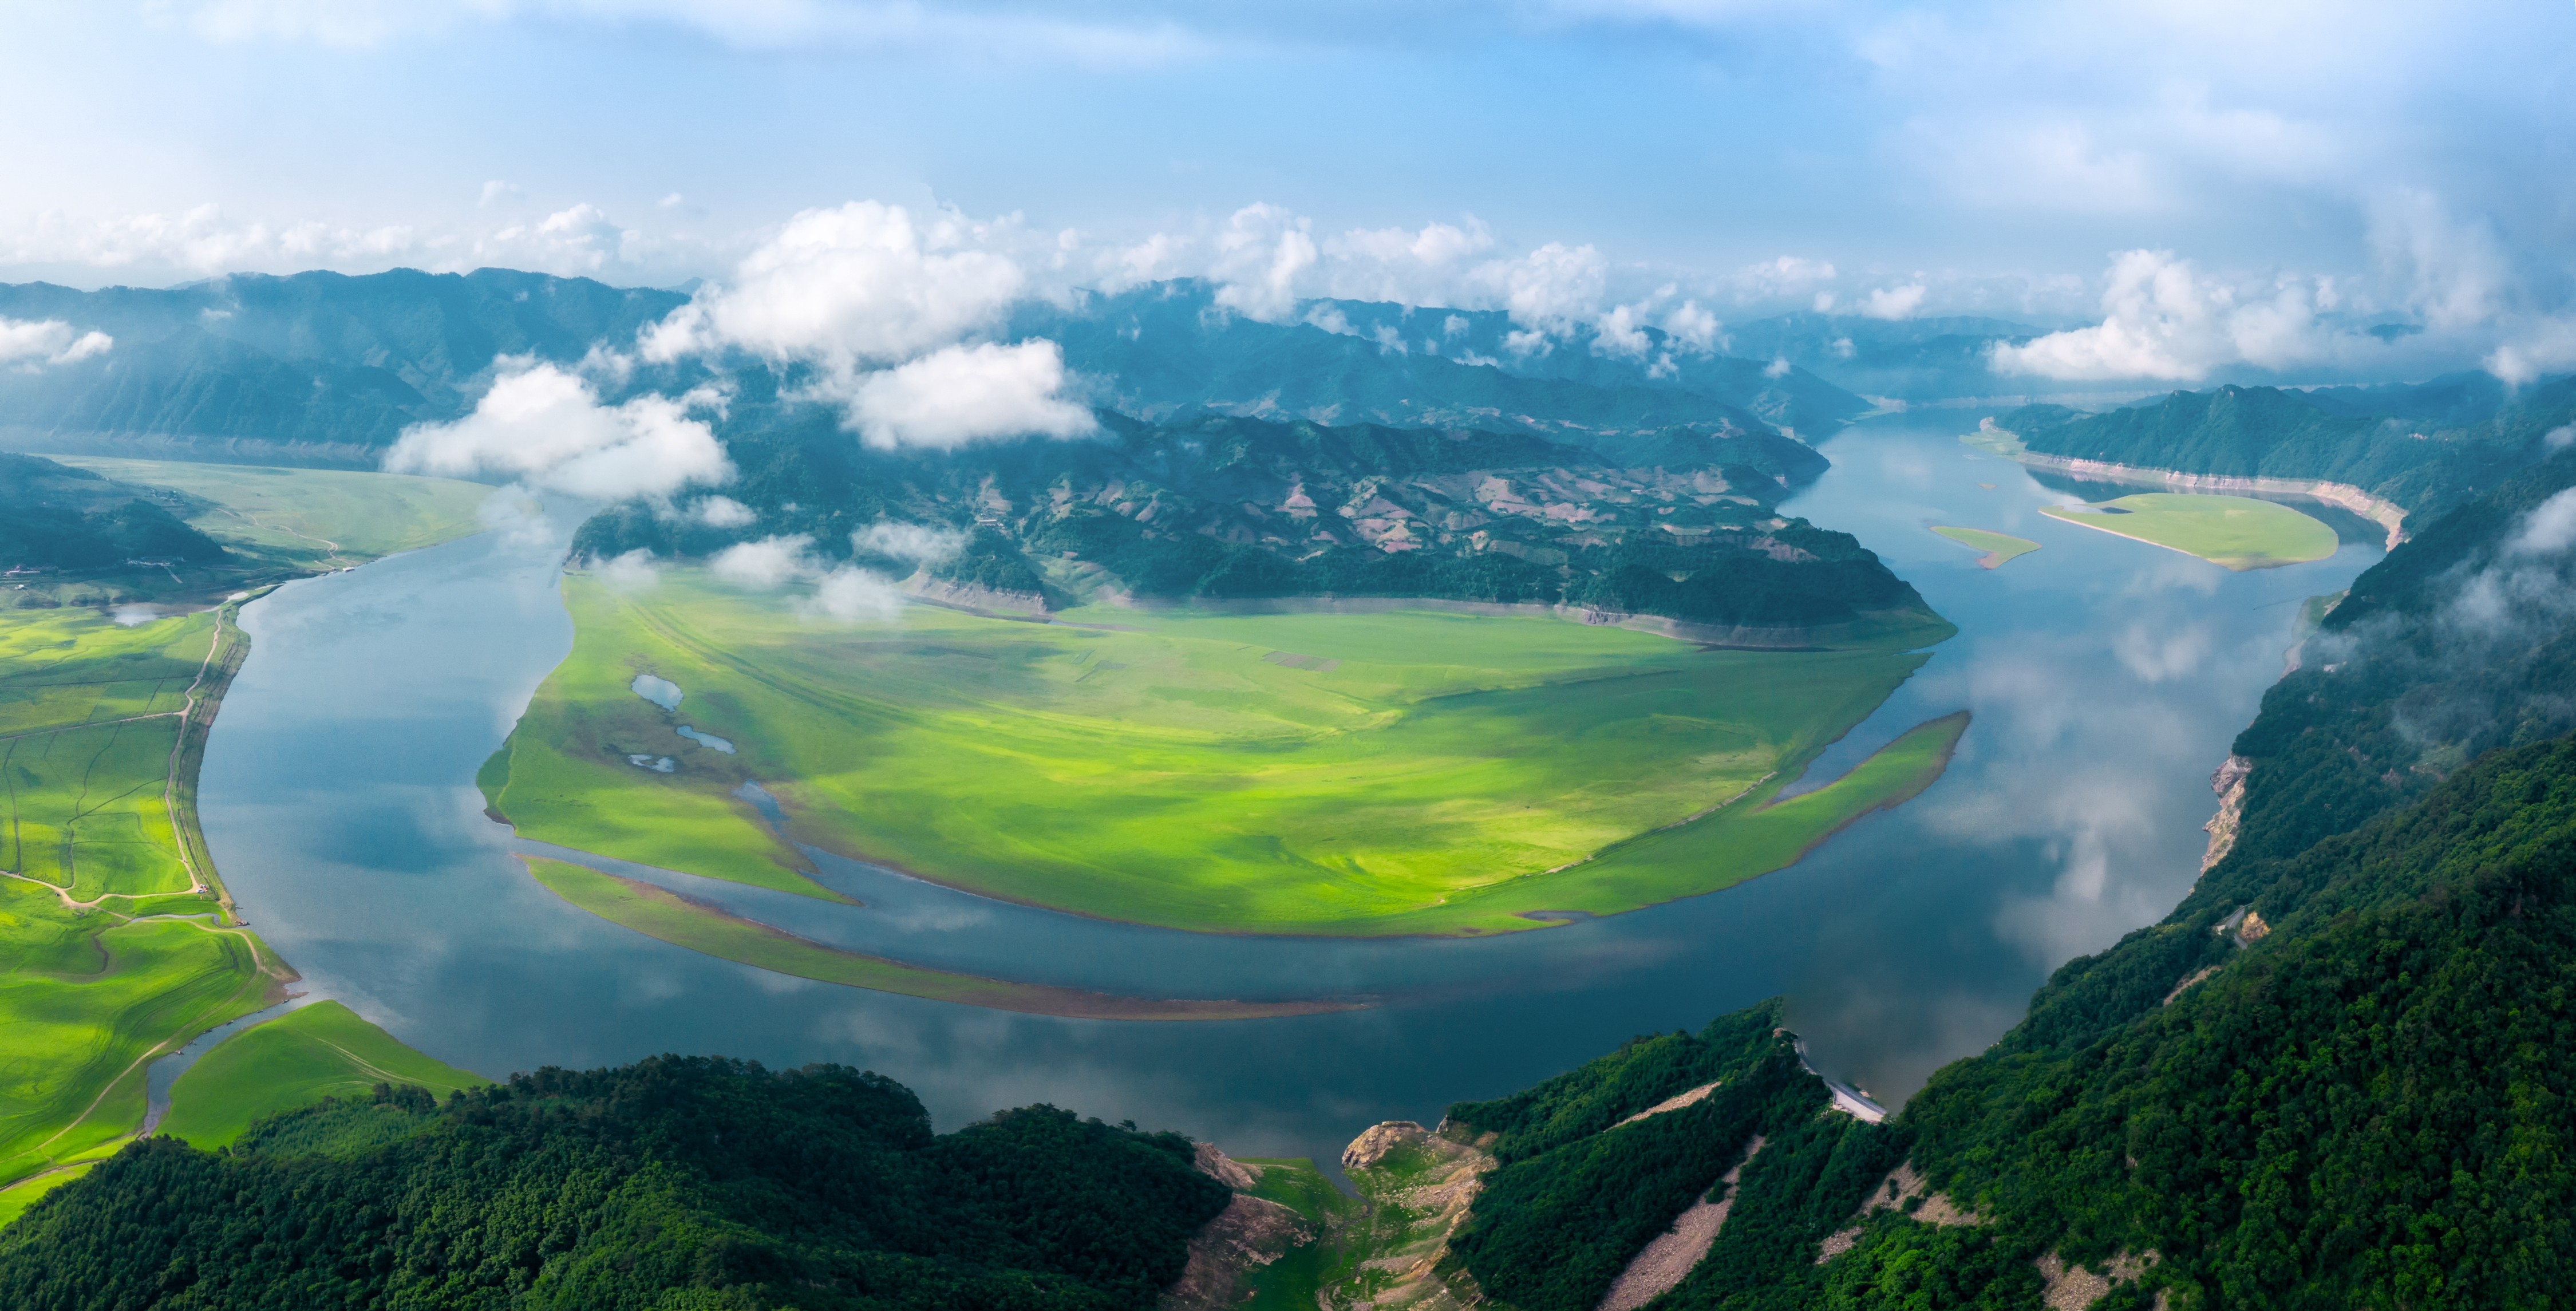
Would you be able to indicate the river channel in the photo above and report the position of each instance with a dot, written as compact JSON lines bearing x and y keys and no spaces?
{"x":2106,"y":678}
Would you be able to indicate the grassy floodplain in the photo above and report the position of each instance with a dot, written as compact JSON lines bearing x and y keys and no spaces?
{"x":1296,"y":773}
{"x":118,"y":948}
{"x":117,"y":944}
{"x":2237,"y":532}
{"x":315,"y":518}
{"x":660,"y":913}
{"x":310,"y":1053}
{"x":2000,"y":548}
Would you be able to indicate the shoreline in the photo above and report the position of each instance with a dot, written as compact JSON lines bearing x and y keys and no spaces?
{"x":2385,"y":513}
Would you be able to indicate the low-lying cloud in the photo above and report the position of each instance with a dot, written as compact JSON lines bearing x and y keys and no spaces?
{"x":33,"y":343}
{"x":881,"y":305}
{"x":842,"y":593}
{"x":545,"y":427}
{"x":2163,"y":319}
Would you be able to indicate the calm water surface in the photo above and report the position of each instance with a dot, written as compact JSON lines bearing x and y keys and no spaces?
{"x":2106,"y":677}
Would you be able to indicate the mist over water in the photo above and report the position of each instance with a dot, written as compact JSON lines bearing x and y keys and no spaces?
{"x":2106,"y":677}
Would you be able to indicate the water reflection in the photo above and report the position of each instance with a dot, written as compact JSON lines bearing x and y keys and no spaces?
{"x":2107,"y":679}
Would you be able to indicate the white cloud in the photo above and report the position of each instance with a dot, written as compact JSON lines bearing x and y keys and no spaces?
{"x":767,"y":564}
{"x":631,"y":572}
{"x":920,"y":543}
{"x":546,"y":428}
{"x":36,"y":342}
{"x":864,"y":284}
{"x":721,"y":512}
{"x":853,"y":595}
{"x":1894,"y":302}
{"x":1692,"y":328}
{"x":963,"y":394}
{"x":2532,"y":349}
{"x":203,"y":241}
{"x":1426,"y":267}
{"x":1621,"y":333}
{"x":2454,"y":273}
{"x":1261,"y":257}
{"x":2549,"y":528}
{"x":2162,"y":319}
{"x":1787,"y":276}
{"x":1551,"y":287}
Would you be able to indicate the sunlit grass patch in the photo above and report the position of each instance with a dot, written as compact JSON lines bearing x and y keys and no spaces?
{"x":312,"y":1052}
{"x":2237,"y":532}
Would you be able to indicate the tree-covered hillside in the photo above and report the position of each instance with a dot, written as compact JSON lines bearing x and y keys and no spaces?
{"x":2424,"y":449}
{"x":1234,"y":509}
{"x":55,"y":518}
{"x":673,"y":1183}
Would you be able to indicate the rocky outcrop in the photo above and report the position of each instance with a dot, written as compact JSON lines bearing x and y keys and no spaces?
{"x":1902,"y":1185}
{"x":1250,"y":1233}
{"x":2229,"y":784}
{"x":1669,"y":1259}
{"x":1419,"y":1185}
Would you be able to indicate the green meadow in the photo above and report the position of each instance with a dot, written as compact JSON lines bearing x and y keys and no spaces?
{"x":660,"y":913}
{"x":1298,"y":773}
{"x":2237,"y":532}
{"x":2000,"y":548}
{"x":310,"y":518}
{"x":312,"y":1052}
{"x":113,"y":953}
{"x":116,"y":943}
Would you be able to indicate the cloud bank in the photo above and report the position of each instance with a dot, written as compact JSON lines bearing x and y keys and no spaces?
{"x":877,"y":304}
{"x":546,"y":428}
{"x":33,"y":343}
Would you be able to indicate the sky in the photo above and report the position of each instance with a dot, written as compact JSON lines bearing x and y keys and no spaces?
{"x":2183,"y":185}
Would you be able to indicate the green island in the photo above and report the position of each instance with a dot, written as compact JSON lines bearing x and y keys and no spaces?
{"x":2000,"y":548}
{"x":121,"y":942}
{"x":2236,"y":532}
{"x":310,"y":1053}
{"x":660,"y":913}
{"x":1397,"y":773}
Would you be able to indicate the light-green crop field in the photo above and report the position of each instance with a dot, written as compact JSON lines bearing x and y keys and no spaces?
{"x":659,"y":913}
{"x":2000,"y":548}
{"x":1301,"y":773}
{"x":2237,"y":532}
{"x":108,"y":955}
{"x":313,"y":518}
{"x":312,"y":1052}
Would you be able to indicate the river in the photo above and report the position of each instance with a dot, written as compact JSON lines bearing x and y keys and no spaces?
{"x":2106,"y":678}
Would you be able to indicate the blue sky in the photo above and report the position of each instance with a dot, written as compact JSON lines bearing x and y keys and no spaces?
{"x":2287,"y":165}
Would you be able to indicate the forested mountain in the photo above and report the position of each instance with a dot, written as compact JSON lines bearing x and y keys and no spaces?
{"x":1677,"y":523}
{"x":2338,"y":1075}
{"x":56,"y":518}
{"x":1167,"y":348}
{"x":2425,"y":448}
{"x":312,"y":368}
{"x":673,"y":1183}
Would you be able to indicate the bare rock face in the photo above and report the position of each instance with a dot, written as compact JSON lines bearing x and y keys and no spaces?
{"x":1377,"y":1140}
{"x":1248,"y":1234}
{"x":2229,"y":784}
{"x":1222,"y":1168}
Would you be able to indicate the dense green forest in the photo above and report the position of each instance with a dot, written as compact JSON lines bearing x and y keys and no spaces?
{"x":1235,"y":509}
{"x":57,"y":518}
{"x":2339,"y":1075}
{"x":2427,"y":448}
{"x":673,"y":1183}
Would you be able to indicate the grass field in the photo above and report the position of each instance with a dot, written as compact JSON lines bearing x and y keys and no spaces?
{"x":659,"y":913}
{"x":312,"y":518}
{"x":2234,"y":531}
{"x":1344,"y":774}
{"x":312,"y":1052}
{"x":2000,"y":548}
{"x":113,"y":951}
{"x":1291,"y":1282}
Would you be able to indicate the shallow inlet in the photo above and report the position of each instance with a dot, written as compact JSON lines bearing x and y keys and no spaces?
{"x":2107,"y":679}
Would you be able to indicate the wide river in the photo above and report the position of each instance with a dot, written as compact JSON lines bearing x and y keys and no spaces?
{"x":2106,"y":678}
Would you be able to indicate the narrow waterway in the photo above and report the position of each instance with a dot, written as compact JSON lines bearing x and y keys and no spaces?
{"x":2107,"y":678}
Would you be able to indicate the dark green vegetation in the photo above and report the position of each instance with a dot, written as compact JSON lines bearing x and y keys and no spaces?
{"x":673,"y":1183}
{"x":2337,"y":1076}
{"x":55,"y":517}
{"x":2425,"y":449}
{"x":1578,"y":1193}
{"x":1246,"y":510}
